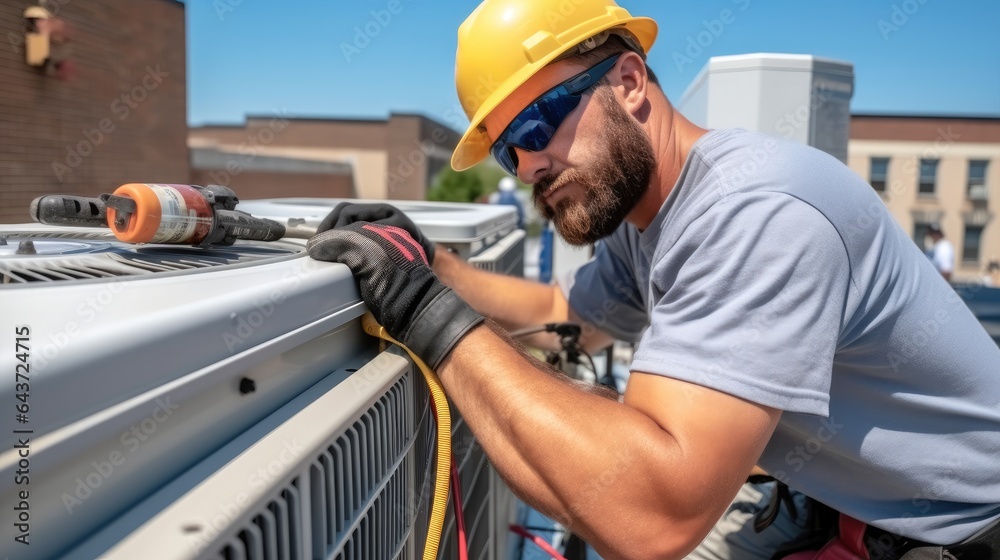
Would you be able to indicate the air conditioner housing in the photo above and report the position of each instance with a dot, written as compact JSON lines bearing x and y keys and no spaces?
{"x":163,"y":377}
{"x":803,"y":98}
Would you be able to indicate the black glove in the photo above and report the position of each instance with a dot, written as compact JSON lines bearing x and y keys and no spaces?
{"x":347,"y":213}
{"x":398,"y":287}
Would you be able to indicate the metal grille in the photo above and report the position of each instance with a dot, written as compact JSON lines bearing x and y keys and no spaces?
{"x":275,"y":532}
{"x":119,"y":260}
{"x":60,"y":233}
{"x":349,"y":501}
{"x":488,"y":503}
{"x":506,"y":256}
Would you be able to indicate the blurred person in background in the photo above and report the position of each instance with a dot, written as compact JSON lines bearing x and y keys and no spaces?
{"x":942,"y":252}
{"x":507,"y":194}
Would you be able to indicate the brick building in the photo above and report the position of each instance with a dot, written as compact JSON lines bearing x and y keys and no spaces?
{"x":937,"y":170}
{"x":114,"y":111}
{"x":270,"y":156}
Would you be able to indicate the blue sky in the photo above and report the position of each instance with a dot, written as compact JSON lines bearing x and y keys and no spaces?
{"x":306,"y":58}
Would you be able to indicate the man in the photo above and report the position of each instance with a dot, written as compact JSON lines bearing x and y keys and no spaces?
{"x":507,"y":194}
{"x":942,"y":252}
{"x":786,"y":326}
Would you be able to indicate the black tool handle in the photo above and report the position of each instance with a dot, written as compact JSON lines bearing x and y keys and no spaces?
{"x":64,"y":210}
{"x":240,"y":225}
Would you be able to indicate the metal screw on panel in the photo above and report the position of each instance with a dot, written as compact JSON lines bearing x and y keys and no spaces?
{"x":247,"y":385}
{"x":26,"y":247}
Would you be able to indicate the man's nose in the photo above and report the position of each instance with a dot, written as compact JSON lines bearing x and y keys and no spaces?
{"x":532,"y":166}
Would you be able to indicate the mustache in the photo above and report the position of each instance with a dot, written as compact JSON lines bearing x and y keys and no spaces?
{"x":556,"y":180}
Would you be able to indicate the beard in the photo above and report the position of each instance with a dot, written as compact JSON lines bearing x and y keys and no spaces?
{"x":613,"y":182}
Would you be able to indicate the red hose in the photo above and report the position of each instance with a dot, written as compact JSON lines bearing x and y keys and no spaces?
{"x":539,"y":541}
{"x":456,"y":493}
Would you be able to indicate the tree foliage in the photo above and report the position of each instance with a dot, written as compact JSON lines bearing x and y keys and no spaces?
{"x":457,"y":186}
{"x":472,"y":185}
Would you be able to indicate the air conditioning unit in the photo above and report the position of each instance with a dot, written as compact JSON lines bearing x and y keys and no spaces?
{"x":978,"y":192}
{"x":803,"y":98}
{"x":481,"y":234}
{"x":222,"y":403}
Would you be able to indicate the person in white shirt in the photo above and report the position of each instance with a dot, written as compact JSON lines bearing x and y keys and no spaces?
{"x":942,"y":253}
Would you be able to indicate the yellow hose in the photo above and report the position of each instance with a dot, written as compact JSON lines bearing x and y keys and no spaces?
{"x":439,"y":504}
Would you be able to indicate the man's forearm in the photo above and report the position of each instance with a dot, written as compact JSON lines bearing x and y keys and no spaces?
{"x":513,"y":302}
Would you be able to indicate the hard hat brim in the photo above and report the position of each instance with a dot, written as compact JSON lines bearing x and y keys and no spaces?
{"x":474,"y":146}
{"x":36,"y":12}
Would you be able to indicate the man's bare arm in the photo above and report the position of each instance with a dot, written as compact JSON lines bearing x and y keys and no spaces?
{"x":514,"y":303}
{"x":646,"y":478}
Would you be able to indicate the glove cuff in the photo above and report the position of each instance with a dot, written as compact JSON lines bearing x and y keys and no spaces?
{"x":439,"y":326}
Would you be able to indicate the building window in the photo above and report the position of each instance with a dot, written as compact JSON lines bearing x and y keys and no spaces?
{"x":928,"y":176}
{"x":920,"y":230}
{"x":878,"y":174}
{"x":977,"y":179}
{"x":971,"y":243}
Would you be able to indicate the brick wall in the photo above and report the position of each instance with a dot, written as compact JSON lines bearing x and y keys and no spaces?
{"x":263,"y":184}
{"x":418,"y":148}
{"x":902,"y":127}
{"x":396,"y":158}
{"x":122,"y":117}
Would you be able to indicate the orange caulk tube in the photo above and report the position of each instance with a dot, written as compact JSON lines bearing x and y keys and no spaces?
{"x":163,"y":214}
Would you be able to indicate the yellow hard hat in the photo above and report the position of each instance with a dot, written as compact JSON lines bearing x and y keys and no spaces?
{"x":505,"y":42}
{"x":36,"y":12}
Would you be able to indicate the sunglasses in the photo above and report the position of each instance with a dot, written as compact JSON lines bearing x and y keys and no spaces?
{"x":533,"y":128}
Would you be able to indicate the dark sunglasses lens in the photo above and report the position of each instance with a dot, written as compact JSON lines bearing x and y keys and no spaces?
{"x":534,"y":127}
{"x":538,"y":123}
{"x":505,"y":156}
{"x":533,"y":135}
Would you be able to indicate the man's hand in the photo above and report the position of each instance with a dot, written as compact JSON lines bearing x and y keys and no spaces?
{"x":347,"y":213}
{"x":398,"y":286}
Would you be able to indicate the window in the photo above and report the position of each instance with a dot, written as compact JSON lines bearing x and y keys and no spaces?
{"x":971,"y":243}
{"x":920,"y":230}
{"x":928,"y":176}
{"x":879,"y":171}
{"x":977,"y":179}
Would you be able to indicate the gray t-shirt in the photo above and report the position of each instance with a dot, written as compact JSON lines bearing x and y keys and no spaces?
{"x":774,"y":273}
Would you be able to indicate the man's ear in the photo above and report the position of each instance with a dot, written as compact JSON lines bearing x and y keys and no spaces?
{"x":633,"y":81}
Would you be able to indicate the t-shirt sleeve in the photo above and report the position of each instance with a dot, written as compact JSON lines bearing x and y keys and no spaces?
{"x":753,"y":298}
{"x":604,"y":292}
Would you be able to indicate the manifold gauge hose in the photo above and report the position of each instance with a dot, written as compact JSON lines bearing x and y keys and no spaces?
{"x":439,"y":504}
